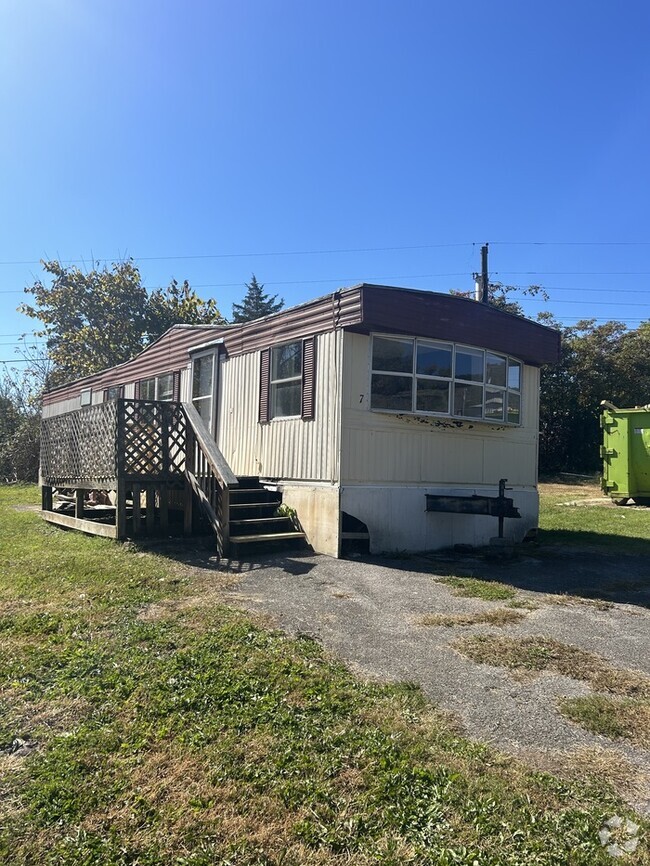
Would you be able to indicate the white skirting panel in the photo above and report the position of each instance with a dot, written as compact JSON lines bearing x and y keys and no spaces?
{"x":397,"y":520}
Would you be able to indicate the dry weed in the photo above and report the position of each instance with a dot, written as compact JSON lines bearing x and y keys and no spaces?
{"x":500,"y":617}
{"x":538,"y":654}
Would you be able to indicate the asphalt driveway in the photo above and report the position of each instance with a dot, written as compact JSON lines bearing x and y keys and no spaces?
{"x":370,"y":614}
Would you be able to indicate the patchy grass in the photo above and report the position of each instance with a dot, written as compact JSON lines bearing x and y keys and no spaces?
{"x":566,"y":600}
{"x":623,"y":712}
{"x":499,"y":617}
{"x":198,"y":737}
{"x":523,"y":604}
{"x":617,"y":529}
{"x":611,"y":717}
{"x":472,"y":587}
{"x":541,"y":654}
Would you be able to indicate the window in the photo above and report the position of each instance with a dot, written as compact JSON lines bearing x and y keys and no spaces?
{"x":435,"y":378}
{"x":202,"y":380}
{"x":148,"y":389}
{"x":159,"y":387}
{"x":114,"y":392}
{"x":86,"y":397}
{"x":165,"y":387}
{"x":288,"y":381}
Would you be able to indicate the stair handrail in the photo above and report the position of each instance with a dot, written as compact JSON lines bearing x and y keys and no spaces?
{"x":207,"y":444}
{"x":198,"y":432}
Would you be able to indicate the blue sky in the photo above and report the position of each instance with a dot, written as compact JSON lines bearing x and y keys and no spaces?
{"x":200,"y":137}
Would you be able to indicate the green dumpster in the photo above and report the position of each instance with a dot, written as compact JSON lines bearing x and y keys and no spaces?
{"x":626,"y":453}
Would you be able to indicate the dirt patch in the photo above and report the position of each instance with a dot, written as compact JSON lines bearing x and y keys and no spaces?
{"x":499,"y":617}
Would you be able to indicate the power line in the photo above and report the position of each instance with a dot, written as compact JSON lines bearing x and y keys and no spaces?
{"x":567,"y":301}
{"x":570,"y":243}
{"x":96,"y":260}
{"x":24,"y":360}
{"x":573,"y":273}
{"x":338,"y":280}
{"x":342,"y":250}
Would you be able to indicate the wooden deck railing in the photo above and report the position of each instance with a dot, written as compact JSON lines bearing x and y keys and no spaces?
{"x":79,"y":449}
{"x":142,"y":446}
{"x":209,"y":475}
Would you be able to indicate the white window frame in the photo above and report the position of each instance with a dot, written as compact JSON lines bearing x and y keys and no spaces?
{"x":506,"y":390}
{"x":274,"y":382}
{"x":199,"y":356}
{"x":86,"y":397}
{"x":156,"y":381}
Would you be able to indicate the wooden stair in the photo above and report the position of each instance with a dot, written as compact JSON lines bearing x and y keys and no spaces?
{"x":254,"y":521}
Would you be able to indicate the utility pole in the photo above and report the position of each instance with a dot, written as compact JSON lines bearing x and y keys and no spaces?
{"x":484,"y":274}
{"x":481,"y":281}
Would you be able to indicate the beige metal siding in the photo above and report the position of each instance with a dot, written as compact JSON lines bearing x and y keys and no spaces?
{"x":379,"y":448}
{"x":186,"y":385}
{"x":61,"y":406}
{"x":288,"y":448}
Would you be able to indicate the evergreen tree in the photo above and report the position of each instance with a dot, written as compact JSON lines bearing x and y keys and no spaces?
{"x":256,"y":303}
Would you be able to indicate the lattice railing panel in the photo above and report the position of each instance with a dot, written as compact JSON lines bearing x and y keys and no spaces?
{"x":80,"y":447}
{"x":152,"y":438}
{"x":96,"y":444}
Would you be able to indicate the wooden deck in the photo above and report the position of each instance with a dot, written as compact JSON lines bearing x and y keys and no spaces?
{"x":157,"y":456}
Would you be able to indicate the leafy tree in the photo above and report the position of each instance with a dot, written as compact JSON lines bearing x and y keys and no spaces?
{"x":20,"y":423}
{"x":179,"y":304}
{"x":20,"y":452}
{"x":100,"y":318}
{"x":256,"y":303}
{"x":498,"y":297}
{"x":598,"y":362}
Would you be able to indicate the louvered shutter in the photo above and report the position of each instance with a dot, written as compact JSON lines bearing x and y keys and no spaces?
{"x":308,"y":378}
{"x":265,"y":385}
{"x":136,"y":391}
{"x":176,"y":393}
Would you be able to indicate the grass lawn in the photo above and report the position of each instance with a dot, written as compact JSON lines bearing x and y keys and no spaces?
{"x":625,"y":529}
{"x":139,"y":726}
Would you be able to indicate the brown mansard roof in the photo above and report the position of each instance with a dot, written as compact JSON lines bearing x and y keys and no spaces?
{"x":364,"y":308}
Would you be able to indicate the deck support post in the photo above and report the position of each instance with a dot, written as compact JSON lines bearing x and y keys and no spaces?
{"x":163,"y":495}
{"x":120,"y":510}
{"x":46,"y":497}
{"x":188,"y":503}
{"x":151,"y":509}
{"x":225,"y":521}
{"x":79,"y":503}
{"x":137,"y":510}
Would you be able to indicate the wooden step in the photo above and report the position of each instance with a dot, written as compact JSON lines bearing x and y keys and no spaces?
{"x":248,"y":482}
{"x":257,"y":520}
{"x":272,"y":536}
{"x":254,"y":504}
{"x":250,"y":494}
{"x":255,"y":525}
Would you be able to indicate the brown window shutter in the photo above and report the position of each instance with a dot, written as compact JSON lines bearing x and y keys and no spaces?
{"x":265,"y":385}
{"x":136,"y":392}
{"x":105,"y":395}
{"x":308,"y":378}
{"x":176,"y":395}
